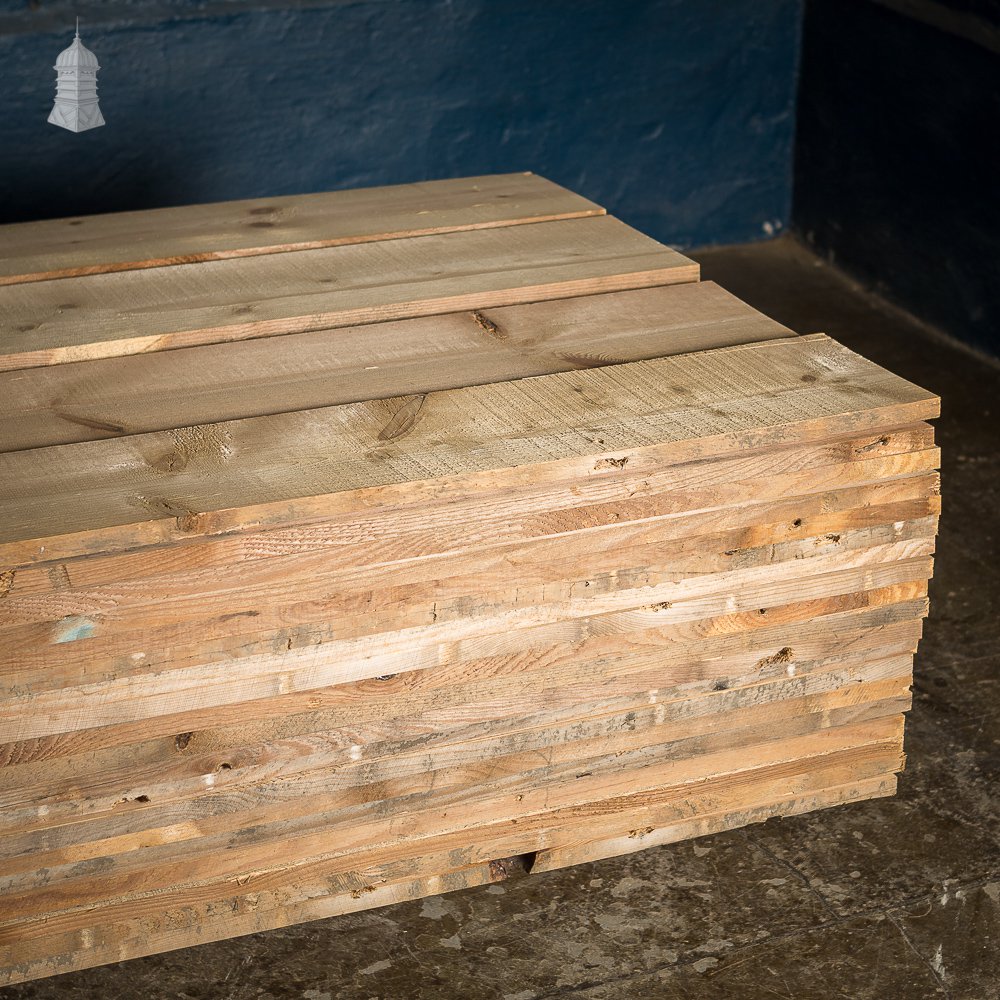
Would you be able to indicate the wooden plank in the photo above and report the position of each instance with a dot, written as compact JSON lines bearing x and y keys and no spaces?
{"x":209,"y":687}
{"x":302,"y":622}
{"x":88,"y":400}
{"x":304,"y":514}
{"x":218,"y":762}
{"x":62,"y":248}
{"x":793,"y":789}
{"x":182,"y":474}
{"x":111,"y":802}
{"x":427,"y":619}
{"x":368,"y":543}
{"x":497,"y":685}
{"x":200,"y":865}
{"x":300,"y":617}
{"x":763,"y":516}
{"x":139,"y":884}
{"x":77,"y":884}
{"x":640,"y":829}
{"x":79,"y":812}
{"x":28,"y":715}
{"x":132,"y":647}
{"x":29,"y":661}
{"x":176,"y":806}
{"x":110,"y":315}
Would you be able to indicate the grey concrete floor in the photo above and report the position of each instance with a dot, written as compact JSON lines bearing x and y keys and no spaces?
{"x":897,"y":899}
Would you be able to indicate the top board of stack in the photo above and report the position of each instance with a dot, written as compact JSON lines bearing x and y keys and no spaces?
{"x":361,"y":546}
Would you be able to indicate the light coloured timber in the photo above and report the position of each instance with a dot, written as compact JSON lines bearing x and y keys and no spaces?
{"x":190,"y":234}
{"x":610,"y":563}
{"x":71,"y":886}
{"x":776,"y":751}
{"x":867,"y":742}
{"x":631,"y":661}
{"x":454,"y":534}
{"x":27,"y":715}
{"x":306,"y":512}
{"x":248,"y":911}
{"x":155,"y":795}
{"x":141,"y":875}
{"x":31,"y":660}
{"x":89,"y":400}
{"x":71,"y":821}
{"x":331,"y":574}
{"x":712,"y":649}
{"x":640,"y":829}
{"x":179,"y":815}
{"x":761,"y":517}
{"x":279,"y":809}
{"x":615,"y":601}
{"x":163,"y":308}
{"x":172,"y":818}
{"x":260,"y":460}
{"x":470,"y":693}
{"x":158,"y":795}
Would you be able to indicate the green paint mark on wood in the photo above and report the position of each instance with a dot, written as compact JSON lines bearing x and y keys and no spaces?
{"x":74,"y":627}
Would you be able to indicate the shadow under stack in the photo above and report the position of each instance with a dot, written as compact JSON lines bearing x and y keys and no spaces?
{"x":401,"y":539}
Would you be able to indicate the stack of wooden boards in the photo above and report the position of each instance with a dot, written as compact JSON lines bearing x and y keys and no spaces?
{"x":362,"y":546}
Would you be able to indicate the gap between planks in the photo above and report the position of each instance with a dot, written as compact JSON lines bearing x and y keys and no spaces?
{"x":339,"y":448}
{"x":133,"y":312}
{"x":61,"y":951}
{"x":90,"y":400}
{"x":73,"y":247}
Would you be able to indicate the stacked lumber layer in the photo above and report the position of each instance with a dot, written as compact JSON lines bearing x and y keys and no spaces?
{"x":460,"y":529}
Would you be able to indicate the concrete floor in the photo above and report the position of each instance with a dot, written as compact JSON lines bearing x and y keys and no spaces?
{"x":891,"y":900}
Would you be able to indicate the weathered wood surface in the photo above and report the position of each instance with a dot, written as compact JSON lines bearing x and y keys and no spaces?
{"x":82,"y":401}
{"x":584,"y":508}
{"x":65,"y":248}
{"x":481,"y":551}
{"x":77,"y":804}
{"x":162,"y":308}
{"x":596,"y":415}
{"x":257,"y":902}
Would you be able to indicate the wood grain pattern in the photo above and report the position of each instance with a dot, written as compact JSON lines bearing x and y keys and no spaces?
{"x":80,"y":816}
{"x":364,"y":538}
{"x":583,"y":507}
{"x":240,"y":911}
{"x":365,"y":565}
{"x":174,"y":871}
{"x":30,"y":714}
{"x":450,"y":696}
{"x":183,"y":473}
{"x":83,"y":401}
{"x":110,"y":315}
{"x":190,"y":234}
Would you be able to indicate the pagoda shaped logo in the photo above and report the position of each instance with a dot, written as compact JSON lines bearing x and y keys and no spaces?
{"x":76,"y":106}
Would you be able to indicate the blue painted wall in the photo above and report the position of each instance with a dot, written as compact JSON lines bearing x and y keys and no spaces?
{"x":678,"y":115}
{"x":898,"y":154}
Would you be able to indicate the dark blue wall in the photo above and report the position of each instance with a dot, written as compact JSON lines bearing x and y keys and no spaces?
{"x":677,"y":115}
{"x":898,"y":155}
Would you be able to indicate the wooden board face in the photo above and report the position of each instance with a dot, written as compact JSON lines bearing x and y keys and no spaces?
{"x":89,"y":400}
{"x":64,"y":248}
{"x":110,"y":315}
{"x":345,"y":565}
{"x":593,"y":416}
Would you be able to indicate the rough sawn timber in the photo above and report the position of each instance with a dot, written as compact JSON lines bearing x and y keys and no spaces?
{"x":363,"y":546}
